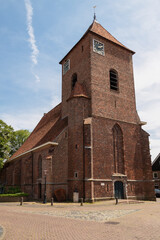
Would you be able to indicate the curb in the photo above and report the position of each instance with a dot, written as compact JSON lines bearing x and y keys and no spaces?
{"x":2,"y":232}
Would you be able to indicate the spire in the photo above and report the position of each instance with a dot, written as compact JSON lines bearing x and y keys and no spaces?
{"x":94,"y":17}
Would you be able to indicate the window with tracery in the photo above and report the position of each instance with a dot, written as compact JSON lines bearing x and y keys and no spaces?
{"x":118,"y":151}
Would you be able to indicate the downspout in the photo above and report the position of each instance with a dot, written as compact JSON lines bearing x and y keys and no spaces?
{"x":92,"y":183}
{"x":84,"y":195}
{"x":32,"y":172}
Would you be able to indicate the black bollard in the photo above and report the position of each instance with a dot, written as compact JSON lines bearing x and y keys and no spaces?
{"x":21,"y":201}
{"x":116,"y":200}
{"x":81,"y":201}
{"x":52,"y":200}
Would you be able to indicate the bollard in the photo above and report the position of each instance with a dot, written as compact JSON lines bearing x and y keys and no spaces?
{"x":116,"y":200}
{"x":81,"y":201}
{"x":21,"y":201}
{"x":52,"y":200}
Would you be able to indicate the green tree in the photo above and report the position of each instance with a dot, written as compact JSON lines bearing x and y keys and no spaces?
{"x":18,"y":139}
{"x":10,"y":141}
{"x":6,"y":133}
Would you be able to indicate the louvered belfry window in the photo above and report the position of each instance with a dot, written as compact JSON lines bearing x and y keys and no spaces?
{"x":113,"y":80}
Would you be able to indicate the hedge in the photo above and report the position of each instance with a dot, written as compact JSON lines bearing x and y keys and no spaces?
{"x":22,"y":194}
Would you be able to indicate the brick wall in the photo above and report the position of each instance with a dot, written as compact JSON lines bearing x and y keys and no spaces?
{"x":79,"y":65}
{"x":108,"y":103}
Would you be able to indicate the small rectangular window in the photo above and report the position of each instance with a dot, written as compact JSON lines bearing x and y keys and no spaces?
{"x":155,"y":175}
{"x":76,"y":174}
{"x":66,"y":66}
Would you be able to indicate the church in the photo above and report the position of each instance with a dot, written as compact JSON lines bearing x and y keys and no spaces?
{"x":92,"y":142}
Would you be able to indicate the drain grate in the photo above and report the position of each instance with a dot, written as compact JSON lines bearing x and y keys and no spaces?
{"x":113,"y":223}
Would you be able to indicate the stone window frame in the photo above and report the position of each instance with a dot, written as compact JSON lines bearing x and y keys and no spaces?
{"x":155,"y":175}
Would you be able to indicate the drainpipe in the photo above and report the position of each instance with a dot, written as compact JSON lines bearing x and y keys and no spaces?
{"x":84,"y":196}
{"x":32,"y":172}
{"x":92,"y":183}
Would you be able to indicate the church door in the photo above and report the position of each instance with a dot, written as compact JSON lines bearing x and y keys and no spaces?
{"x":118,"y":189}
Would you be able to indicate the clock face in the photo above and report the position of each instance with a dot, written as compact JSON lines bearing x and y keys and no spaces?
{"x":66,"y":66}
{"x":98,"y":47}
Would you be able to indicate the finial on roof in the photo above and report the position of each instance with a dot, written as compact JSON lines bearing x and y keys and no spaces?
{"x":94,"y":17}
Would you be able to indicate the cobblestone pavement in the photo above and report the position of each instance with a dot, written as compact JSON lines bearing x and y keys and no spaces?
{"x":99,"y":221}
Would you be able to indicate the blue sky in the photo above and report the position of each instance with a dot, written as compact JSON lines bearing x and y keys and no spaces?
{"x":35,"y":35}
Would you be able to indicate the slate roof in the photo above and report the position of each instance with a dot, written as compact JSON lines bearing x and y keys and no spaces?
{"x":46,"y":130}
{"x":97,"y":29}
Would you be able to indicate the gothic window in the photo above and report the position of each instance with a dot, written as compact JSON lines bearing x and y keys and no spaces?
{"x":40,"y":167}
{"x":118,"y":152}
{"x":113,"y":80}
{"x":74,"y":80}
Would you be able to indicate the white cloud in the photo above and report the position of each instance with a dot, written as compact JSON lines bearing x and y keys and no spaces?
{"x":22,"y":120}
{"x":55,"y":100}
{"x":154,"y":147}
{"x":147,"y":72}
{"x":147,"y":79}
{"x":37,"y":78}
{"x":30,"y":29}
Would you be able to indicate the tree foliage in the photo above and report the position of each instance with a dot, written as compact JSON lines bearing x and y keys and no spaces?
{"x":10,"y":141}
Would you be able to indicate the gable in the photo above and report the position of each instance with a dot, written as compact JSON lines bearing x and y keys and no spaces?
{"x":46,"y":130}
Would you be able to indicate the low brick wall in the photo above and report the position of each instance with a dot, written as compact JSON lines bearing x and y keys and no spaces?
{"x":12,"y":199}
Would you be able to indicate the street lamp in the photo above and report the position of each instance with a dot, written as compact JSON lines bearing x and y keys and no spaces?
{"x":45,"y":194}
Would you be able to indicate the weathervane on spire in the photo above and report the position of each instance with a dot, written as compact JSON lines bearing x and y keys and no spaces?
{"x":94,"y":17}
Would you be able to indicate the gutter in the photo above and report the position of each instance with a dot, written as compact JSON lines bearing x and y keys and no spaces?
{"x":34,"y":149}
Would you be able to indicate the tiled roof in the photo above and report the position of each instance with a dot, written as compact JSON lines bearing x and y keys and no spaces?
{"x":97,"y":28}
{"x":47,"y":129}
{"x":79,"y":90}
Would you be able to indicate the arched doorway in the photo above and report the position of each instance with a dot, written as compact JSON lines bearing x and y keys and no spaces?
{"x":118,"y":190}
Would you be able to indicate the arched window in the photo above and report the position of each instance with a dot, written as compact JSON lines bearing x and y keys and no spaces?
{"x":118,"y":152}
{"x":40,"y":167}
{"x":74,"y":80}
{"x":113,"y":80}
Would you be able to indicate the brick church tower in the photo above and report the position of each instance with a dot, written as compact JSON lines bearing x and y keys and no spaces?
{"x":92,"y":142}
{"x":108,"y":152}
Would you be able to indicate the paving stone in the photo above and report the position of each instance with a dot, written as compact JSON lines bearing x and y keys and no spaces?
{"x":90,"y":222}
{"x":1,"y":231}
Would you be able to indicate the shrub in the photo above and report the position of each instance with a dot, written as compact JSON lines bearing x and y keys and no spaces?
{"x":22,"y":194}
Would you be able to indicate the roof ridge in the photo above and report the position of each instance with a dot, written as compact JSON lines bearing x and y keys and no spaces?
{"x":110,"y":37}
{"x":53,"y":111}
{"x":41,"y":129}
{"x":113,"y":39}
{"x":111,"y":34}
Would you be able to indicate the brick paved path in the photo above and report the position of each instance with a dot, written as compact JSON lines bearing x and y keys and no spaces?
{"x":98,"y":221}
{"x":1,"y":232}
